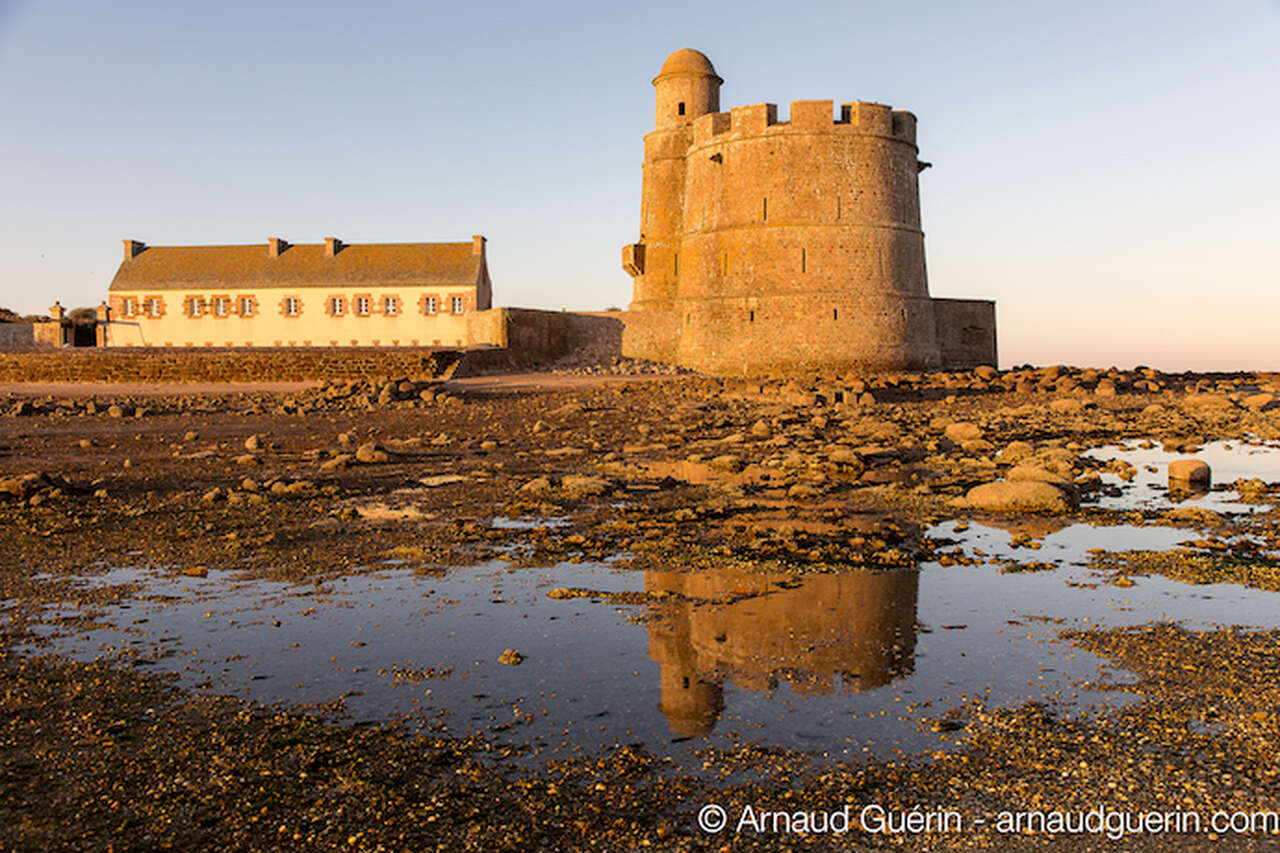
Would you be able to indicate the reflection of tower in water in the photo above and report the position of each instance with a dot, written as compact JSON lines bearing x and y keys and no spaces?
{"x":761,"y":629}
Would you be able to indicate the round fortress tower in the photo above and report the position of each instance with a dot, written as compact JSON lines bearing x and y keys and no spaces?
{"x":790,"y":245}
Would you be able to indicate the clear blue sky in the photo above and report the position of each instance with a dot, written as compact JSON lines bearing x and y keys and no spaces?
{"x":1109,"y":172}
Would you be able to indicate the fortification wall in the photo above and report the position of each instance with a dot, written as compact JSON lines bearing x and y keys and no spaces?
{"x":966,"y":331}
{"x":530,"y":336}
{"x":650,"y":335}
{"x":17,"y":335}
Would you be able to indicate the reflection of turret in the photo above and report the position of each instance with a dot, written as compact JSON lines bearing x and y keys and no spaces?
{"x":690,"y":704}
{"x":759,"y":628}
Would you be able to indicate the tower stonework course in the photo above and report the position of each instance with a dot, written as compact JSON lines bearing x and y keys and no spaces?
{"x":780,"y":246}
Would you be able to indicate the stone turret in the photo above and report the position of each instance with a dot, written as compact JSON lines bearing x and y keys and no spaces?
{"x":686,"y":87}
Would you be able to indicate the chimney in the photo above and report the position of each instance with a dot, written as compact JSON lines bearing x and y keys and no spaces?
{"x":276,"y":245}
{"x":477,"y":244}
{"x":57,"y":312}
{"x":132,"y":248}
{"x":332,"y":246}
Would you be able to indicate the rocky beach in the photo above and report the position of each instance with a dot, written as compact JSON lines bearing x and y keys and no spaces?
{"x":675,"y":540}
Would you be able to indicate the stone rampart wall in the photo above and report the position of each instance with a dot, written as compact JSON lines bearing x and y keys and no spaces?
{"x":17,"y":335}
{"x":966,"y":332}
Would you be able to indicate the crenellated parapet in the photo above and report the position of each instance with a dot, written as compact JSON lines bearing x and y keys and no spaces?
{"x":859,"y":117}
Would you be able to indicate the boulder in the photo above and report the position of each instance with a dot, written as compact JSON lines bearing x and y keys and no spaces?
{"x":1191,"y":472}
{"x":1258,"y":402}
{"x":370,"y":453}
{"x":537,"y":486}
{"x":1022,"y":496}
{"x":1207,"y":402}
{"x":986,"y":372}
{"x":1015,"y":451}
{"x":962,"y":432}
{"x":726,"y":462}
{"x":1034,"y":474}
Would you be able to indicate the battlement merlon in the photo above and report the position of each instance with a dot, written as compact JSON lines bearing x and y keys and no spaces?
{"x":858,"y":117}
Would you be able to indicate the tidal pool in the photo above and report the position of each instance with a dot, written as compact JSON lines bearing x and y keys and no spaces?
{"x":839,"y":664}
{"x":1229,"y":461}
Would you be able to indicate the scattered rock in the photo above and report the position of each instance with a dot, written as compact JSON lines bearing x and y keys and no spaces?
{"x":369,"y":453}
{"x":727,"y":462}
{"x":537,"y":485}
{"x":1030,"y":473}
{"x":962,"y":432}
{"x":1207,"y":402}
{"x":1189,"y":471}
{"x":1015,"y":451}
{"x":1021,"y":496}
{"x":1194,"y":514}
{"x":342,"y":460}
{"x":511,"y":657}
{"x":443,"y":480}
{"x":1259,"y":402}
{"x":583,"y":485}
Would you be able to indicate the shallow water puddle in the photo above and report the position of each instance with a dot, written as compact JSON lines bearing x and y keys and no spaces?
{"x":1229,"y":461}
{"x":844,"y":664}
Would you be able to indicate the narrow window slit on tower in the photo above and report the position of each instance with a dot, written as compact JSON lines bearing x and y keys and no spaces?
{"x":751,"y":316}
{"x":764,"y":212}
{"x":726,"y":263}
{"x":803,"y":261}
{"x":837,"y":207}
{"x":675,"y":265}
{"x":680,"y":108}
{"x":835,"y":313}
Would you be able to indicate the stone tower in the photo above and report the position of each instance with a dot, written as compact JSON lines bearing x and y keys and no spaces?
{"x":686,"y":88}
{"x":783,"y":246}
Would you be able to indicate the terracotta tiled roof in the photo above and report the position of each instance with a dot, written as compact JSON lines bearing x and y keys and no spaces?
{"x":305,"y":265}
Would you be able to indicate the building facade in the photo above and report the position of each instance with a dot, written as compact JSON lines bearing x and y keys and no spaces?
{"x":770,"y":245}
{"x":277,"y":294}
